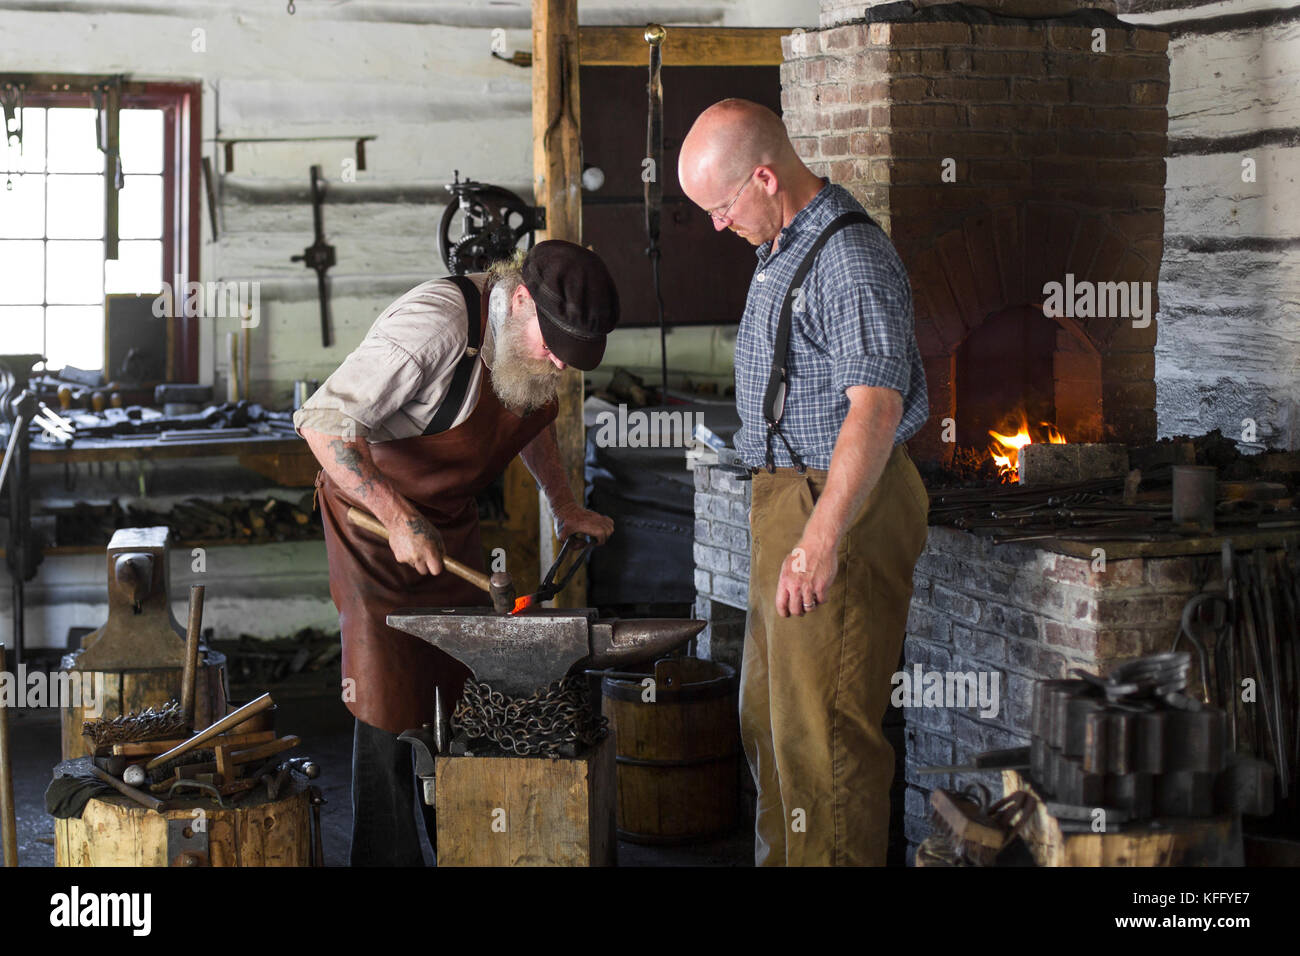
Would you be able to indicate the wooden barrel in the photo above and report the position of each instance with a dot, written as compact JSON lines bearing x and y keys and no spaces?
{"x":678,"y":756}
{"x":125,"y":691}
{"x":115,"y":831}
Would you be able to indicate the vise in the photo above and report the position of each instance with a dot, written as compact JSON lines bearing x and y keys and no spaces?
{"x":518,"y":654}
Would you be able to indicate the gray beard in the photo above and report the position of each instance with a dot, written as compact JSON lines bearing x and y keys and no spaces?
{"x":522,"y":383}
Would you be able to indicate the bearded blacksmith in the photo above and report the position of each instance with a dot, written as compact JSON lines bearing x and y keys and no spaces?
{"x":452,"y":381}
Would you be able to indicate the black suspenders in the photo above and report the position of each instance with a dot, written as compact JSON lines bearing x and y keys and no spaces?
{"x":777,"y":382}
{"x":455,"y":397}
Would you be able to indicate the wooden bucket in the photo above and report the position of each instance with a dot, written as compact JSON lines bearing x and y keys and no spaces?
{"x":126,"y":691}
{"x":678,"y":756}
{"x":115,"y":831}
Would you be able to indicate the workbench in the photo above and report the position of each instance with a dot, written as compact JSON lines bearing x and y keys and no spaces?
{"x":287,"y":461}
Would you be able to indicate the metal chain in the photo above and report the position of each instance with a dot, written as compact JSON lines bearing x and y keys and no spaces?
{"x":541,"y":724}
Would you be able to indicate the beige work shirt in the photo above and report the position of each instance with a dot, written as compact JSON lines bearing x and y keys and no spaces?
{"x":395,"y":380}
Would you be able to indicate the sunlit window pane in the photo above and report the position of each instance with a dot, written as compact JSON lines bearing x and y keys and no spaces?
{"x":76,"y":336}
{"x":140,"y":208}
{"x":75,"y":207}
{"x":142,"y":141}
{"x":21,"y":331}
{"x":138,"y":268}
{"x":72,"y":145}
{"x":32,"y":159}
{"x":22,"y":209}
{"x":22,"y":272}
{"x":74,"y":273}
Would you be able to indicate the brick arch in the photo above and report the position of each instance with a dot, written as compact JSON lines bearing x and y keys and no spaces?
{"x":1000,"y":257}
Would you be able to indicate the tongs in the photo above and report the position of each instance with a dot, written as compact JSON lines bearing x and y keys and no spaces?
{"x":550,"y":585}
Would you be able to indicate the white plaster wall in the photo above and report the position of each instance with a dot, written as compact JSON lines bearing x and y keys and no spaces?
{"x":1228,"y":349}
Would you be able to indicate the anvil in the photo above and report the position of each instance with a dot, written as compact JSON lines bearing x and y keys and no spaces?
{"x":521,"y":654}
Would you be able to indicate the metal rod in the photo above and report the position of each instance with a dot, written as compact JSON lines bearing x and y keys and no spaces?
{"x":8,"y":817}
{"x":18,"y":428}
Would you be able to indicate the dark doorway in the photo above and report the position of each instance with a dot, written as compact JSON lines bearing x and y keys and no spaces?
{"x":704,"y":274}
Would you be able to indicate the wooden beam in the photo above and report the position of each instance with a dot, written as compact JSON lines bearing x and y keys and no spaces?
{"x":557,"y":186}
{"x":684,"y":46}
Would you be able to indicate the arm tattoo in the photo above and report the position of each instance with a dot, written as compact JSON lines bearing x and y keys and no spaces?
{"x":420,"y":527}
{"x":358,"y":464}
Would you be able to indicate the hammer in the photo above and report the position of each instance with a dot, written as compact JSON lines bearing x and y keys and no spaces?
{"x":500,"y":586}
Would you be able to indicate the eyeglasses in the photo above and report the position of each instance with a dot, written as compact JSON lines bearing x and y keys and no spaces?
{"x":718,"y":217}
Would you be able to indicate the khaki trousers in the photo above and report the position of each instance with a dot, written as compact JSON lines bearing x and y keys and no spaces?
{"x":814,"y":688}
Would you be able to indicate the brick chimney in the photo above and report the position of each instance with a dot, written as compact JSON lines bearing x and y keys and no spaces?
{"x":1004,"y":146}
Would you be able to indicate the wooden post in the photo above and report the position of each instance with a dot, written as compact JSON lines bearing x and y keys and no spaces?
{"x":557,"y":187}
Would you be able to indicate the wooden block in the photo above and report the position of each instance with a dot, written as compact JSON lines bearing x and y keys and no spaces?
{"x":1193,"y":841}
{"x":114,"y":831}
{"x":225,"y":767}
{"x":527,"y":811}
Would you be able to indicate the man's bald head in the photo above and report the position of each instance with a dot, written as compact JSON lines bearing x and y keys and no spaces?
{"x":727,"y":141}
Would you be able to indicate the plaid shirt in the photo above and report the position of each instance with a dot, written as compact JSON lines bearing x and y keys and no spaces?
{"x":854,"y":328}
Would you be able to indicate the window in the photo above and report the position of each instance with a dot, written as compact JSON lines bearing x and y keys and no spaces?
{"x":53,"y":270}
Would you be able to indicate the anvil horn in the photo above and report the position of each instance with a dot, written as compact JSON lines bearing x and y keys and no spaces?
{"x":618,"y":642}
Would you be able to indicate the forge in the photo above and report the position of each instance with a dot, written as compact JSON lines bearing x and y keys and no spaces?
{"x":1034,"y":265}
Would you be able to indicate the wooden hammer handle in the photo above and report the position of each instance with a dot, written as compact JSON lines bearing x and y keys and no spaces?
{"x":372,"y":524}
{"x":232,"y":719}
{"x":189,"y":676}
{"x":139,"y":796}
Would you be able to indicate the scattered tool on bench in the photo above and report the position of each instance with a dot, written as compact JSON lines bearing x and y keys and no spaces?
{"x":500,"y":586}
{"x":152,"y":723}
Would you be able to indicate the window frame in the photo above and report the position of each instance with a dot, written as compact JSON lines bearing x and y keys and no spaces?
{"x":181,"y":106}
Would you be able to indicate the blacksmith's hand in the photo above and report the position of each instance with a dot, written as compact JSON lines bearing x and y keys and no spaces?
{"x":806,"y":576}
{"x":416,"y":542}
{"x":574,"y":519}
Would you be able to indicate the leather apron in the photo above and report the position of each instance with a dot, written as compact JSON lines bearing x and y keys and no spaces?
{"x":440,"y":474}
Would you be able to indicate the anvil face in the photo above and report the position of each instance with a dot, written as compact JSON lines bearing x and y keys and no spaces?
{"x":514,"y":654}
{"x":519,"y":654}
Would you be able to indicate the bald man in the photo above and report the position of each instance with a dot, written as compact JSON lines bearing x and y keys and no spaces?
{"x":838,"y":517}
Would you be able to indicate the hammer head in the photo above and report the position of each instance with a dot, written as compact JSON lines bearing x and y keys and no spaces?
{"x":502,"y":590}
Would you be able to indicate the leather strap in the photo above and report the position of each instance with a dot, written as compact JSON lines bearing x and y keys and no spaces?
{"x":777,"y":382}
{"x":455,"y":397}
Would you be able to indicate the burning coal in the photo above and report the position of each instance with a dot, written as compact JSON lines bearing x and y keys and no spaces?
{"x":1005,"y":447}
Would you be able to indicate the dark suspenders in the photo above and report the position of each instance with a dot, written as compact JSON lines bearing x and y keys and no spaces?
{"x":777,"y":382}
{"x":455,"y":397}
